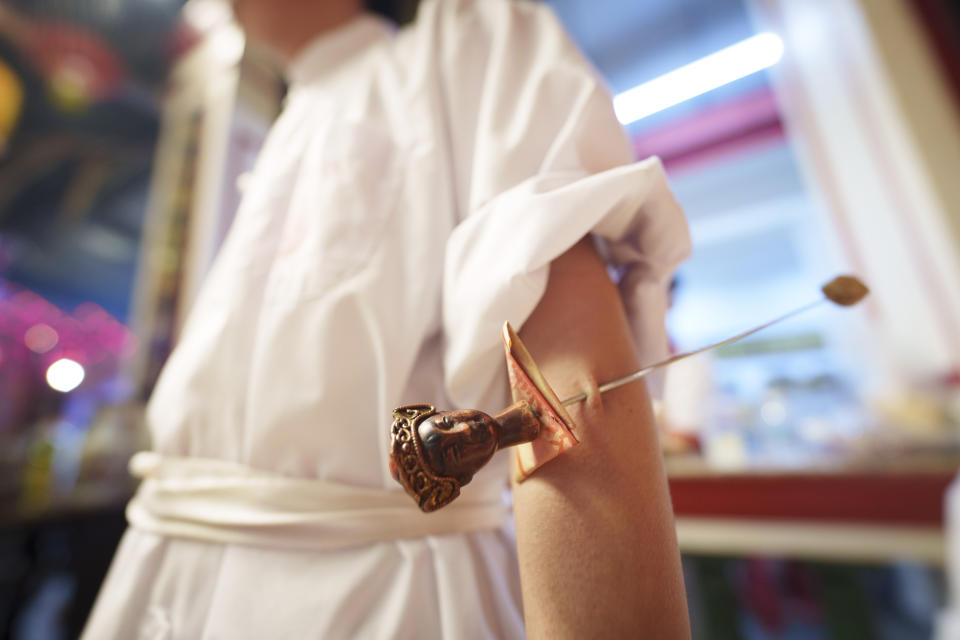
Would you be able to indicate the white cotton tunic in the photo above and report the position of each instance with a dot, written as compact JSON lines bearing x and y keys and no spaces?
{"x":407,"y":202}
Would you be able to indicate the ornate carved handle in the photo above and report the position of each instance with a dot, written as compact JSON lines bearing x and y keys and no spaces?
{"x":433,"y":454}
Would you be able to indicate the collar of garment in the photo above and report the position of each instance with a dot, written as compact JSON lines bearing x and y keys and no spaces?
{"x":331,"y":49}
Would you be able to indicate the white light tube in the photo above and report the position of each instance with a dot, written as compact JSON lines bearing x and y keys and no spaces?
{"x":717,"y":69}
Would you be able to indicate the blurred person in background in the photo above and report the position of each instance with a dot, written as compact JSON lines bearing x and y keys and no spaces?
{"x":420,"y":187}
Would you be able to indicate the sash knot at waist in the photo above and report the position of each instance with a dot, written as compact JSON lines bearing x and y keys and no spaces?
{"x":230,"y":503}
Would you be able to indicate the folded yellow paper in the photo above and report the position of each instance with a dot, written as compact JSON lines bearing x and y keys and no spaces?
{"x":527,"y":384}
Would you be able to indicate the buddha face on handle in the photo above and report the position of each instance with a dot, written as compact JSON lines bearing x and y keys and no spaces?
{"x":433,"y":454}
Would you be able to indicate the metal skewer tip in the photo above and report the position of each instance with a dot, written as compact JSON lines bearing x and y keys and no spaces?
{"x":845,"y":291}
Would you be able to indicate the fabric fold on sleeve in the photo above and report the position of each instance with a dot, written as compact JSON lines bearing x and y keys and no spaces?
{"x":497,"y":264}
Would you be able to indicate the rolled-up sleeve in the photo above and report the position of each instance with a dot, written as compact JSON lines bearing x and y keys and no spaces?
{"x":540,"y":162}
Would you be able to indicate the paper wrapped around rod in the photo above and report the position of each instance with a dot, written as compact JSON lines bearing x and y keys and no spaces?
{"x":527,"y":384}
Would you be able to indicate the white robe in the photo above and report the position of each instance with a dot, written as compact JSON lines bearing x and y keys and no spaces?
{"x":407,"y":202}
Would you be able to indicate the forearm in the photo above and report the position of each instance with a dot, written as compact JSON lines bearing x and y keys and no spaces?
{"x":597,"y":547}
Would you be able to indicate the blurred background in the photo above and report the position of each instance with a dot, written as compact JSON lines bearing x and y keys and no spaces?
{"x":809,"y":464}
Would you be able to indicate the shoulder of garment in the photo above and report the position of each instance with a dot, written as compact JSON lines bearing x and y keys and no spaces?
{"x":515,"y":93}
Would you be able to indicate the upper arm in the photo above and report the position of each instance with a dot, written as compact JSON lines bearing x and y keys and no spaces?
{"x":596,"y":543}
{"x":579,"y":328}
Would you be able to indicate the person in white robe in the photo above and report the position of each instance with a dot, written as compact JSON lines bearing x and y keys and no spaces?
{"x":411,"y":197}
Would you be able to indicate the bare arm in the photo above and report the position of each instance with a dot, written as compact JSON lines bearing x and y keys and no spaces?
{"x":595,"y":535}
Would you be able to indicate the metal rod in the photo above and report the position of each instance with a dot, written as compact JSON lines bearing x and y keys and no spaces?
{"x":619,"y":382}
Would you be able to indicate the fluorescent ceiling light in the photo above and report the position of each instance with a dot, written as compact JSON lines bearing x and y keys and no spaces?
{"x":691,"y":80}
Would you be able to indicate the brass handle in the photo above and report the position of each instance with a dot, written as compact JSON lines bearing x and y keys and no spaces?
{"x":433,"y":454}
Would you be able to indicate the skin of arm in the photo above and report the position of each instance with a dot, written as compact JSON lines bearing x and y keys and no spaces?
{"x":595,"y":532}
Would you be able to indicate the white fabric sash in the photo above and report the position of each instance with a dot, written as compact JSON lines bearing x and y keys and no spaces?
{"x":225,"y":502}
